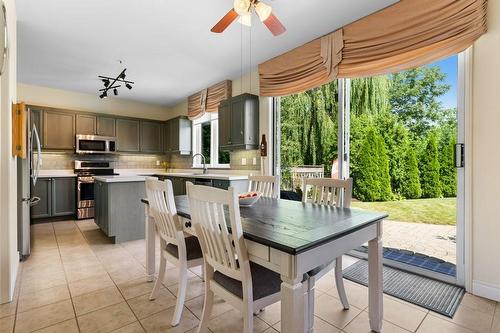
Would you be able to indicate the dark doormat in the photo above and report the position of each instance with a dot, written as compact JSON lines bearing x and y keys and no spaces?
{"x":437,"y":296}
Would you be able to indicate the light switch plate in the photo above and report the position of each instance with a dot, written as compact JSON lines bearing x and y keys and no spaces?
{"x":254,"y":161}
{"x":243,"y":161}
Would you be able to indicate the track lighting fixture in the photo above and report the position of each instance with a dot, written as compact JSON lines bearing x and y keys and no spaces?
{"x":114,"y":83}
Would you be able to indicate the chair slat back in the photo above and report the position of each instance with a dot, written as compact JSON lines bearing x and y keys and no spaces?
{"x":267,"y":185}
{"x":209,"y":217}
{"x":328,"y":191}
{"x":162,"y":208}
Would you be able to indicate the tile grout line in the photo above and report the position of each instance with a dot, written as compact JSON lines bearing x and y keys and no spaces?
{"x":425,"y":317}
{"x":66,"y":278}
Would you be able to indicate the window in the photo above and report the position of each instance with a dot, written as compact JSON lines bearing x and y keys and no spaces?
{"x":206,"y":142}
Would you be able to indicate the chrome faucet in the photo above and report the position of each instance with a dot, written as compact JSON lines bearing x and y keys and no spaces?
{"x":204,"y":162}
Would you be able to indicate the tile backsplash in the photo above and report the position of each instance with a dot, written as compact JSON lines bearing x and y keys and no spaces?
{"x":236,"y":157}
{"x":61,"y":161}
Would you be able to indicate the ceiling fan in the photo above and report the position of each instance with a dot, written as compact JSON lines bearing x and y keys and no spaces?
{"x":244,"y":9}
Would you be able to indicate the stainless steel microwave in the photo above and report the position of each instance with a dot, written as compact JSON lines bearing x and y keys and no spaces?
{"x":94,"y":144}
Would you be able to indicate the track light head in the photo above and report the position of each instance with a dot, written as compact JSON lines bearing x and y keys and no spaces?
{"x":115,"y":91}
{"x":128,"y":86}
{"x":122,"y":75}
{"x":106,"y":82}
{"x":103,"y":95}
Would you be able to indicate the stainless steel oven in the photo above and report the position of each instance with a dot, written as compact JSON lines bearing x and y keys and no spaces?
{"x":85,"y":171}
{"x":95,"y":144}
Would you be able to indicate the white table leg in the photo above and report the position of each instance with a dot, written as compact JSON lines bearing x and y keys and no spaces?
{"x":375,"y":281}
{"x":293,"y":306}
{"x":150,"y":244}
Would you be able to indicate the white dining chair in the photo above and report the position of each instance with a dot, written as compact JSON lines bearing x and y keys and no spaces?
{"x":335,"y":193}
{"x":184,"y":252}
{"x":228,"y":272}
{"x":267,"y":185}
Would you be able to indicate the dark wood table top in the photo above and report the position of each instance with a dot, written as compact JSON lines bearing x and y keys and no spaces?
{"x":292,"y":226}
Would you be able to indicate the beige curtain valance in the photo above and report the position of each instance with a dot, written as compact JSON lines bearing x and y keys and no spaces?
{"x":408,"y":34}
{"x":303,"y":68}
{"x":208,"y":100}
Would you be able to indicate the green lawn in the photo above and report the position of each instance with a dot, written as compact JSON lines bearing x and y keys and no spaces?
{"x":433,"y":211}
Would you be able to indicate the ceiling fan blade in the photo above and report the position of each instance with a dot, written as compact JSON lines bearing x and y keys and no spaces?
{"x":225,"y":22}
{"x":274,"y":25}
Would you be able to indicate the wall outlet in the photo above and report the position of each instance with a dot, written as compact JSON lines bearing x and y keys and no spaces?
{"x":243,"y":161}
{"x":157,"y":163}
{"x":254,"y":161}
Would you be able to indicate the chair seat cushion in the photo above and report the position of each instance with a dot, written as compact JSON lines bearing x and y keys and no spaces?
{"x":193,"y":248}
{"x":264,"y":282}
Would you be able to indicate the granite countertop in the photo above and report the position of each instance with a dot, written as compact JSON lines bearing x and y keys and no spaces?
{"x":141,"y":176}
{"x":120,"y":178}
{"x":56,"y":173}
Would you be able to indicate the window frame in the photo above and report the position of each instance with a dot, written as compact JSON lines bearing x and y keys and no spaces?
{"x":213,"y":118}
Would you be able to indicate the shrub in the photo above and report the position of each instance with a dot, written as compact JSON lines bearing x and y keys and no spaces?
{"x":448,"y":172}
{"x":410,"y":182}
{"x":429,"y":169}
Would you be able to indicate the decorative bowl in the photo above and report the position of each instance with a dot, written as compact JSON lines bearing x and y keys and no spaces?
{"x":249,"y":198}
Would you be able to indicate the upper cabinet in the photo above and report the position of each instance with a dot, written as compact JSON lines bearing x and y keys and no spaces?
{"x":128,"y":135}
{"x":106,"y":126}
{"x":151,"y":136}
{"x":86,"y":124}
{"x":239,"y":123}
{"x":58,"y":130}
{"x":177,"y":134}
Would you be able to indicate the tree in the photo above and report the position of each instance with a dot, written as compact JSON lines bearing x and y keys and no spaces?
{"x":369,"y":95}
{"x":429,"y":169}
{"x":414,"y":97}
{"x":447,"y":170}
{"x":410,"y":181}
{"x":371,"y":174}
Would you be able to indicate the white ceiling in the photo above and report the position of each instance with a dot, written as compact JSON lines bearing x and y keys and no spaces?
{"x":166,"y":45}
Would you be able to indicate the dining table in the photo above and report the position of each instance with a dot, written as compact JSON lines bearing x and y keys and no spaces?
{"x":293,"y":238}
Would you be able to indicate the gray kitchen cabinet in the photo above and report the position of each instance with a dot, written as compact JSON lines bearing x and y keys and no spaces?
{"x":119,"y":211}
{"x":86,"y":124}
{"x":239,"y":123}
{"x":57,"y":197}
{"x":43,"y":190}
{"x":178,"y":136}
{"x":63,"y":196}
{"x":151,"y":137}
{"x":106,"y":126}
{"x":58,"y":130}
{"x":128,"y":135}
{"x":179,"y":183}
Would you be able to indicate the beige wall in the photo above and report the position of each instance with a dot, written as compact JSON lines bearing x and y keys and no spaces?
{"x":89,"y":102}
{"x":486,"y":159}
{"x":9,"y":257}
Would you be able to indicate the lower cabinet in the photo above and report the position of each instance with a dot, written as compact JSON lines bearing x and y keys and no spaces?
{"x":57,"y":197}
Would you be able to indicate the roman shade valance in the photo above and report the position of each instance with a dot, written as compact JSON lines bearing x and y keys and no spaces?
{"x":408,"y":34}
{"x":208,"y":100}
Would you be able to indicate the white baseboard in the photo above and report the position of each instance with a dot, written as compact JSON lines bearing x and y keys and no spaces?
{"x":486,"y":290}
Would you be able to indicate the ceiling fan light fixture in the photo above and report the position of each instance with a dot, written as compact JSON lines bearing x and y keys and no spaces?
{"x":242,"y":7}
{"x":246,"y":19}
{"x":115,"y":91}
{"x":106,"y":82}
{"x":263,"y":10}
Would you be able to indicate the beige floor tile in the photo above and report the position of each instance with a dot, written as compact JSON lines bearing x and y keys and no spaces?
{"x":68,"y":326}
{"x":320,"y":326}
{"x":195,"y":288}
{"x":357,"y":294}
{"x":97,"y":300}
{"x":270,"y":330}
{"x":137,"y":287}
{"x":37,"y":284}
{"x":330,"y":310}
{"x":125,"y":274}
{"x":90,"y":284}
{"x":432,"y":324}
{"x":172,"y":277}
{"x":7,"y":324}
{"x":495,"y":327}
{"x":143,"y":307}
{"x":107,"y":319}
{"x":497,"y":311}
{"x":160,"y":322}
{"x":479,"y":303}
{"x":8,"y":309}
{"x":36,"y":299}
{"x":196,"y":306}
{"x":131,"y":328}
{"x":271,"y":314}
{"x":44,"y":316}
{"x":361,"y":324}
{"x":470,"y":318}
{"x":79,"y":273}
{"x":402,"y":314}
{"x":222,"y":324}
{"x":326,"y":283}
